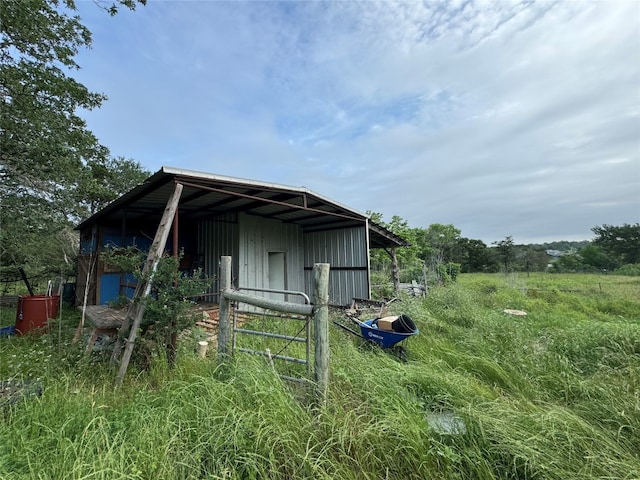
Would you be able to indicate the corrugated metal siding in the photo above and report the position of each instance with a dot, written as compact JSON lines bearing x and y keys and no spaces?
{"x":257,"y":237}
{"x":217,"y":237}
{"x":347,"y":252}
{"x":344,"y":286}
{"x":248,"y":239}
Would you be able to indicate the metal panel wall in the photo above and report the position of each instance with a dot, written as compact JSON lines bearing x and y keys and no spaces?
{"x":217,"y":236}
{"x":257,"y":237}
{"x":347,"y":251}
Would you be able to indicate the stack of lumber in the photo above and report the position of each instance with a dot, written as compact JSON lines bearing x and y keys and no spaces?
{"x":207,"y":317}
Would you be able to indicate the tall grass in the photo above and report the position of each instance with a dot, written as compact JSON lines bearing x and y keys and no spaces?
{"x":553,"y":395}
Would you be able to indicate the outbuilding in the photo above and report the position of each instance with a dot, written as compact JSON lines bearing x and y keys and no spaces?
{"x":274,"y":233}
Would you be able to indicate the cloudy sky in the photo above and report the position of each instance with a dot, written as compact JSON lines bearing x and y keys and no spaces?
{"x":500,"y":118}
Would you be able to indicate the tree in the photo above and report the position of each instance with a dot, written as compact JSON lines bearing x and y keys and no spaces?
{"x":474,"y":256}
{"x":104,"y":180}
{"x":393,"y":261}
{"x":441,"y":241}
{"x":506,"y":251}
{"x":50,"y":163}
{"x":569,"y":263}
{"x":597,"y":258}
{"x":407,"y":257}
{"x":619,"y":242}
{"x":439,"y":249}
{"x":42,"y":139}
{"x":531,"y":258}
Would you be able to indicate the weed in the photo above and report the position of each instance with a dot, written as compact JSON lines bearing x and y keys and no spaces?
{"x":551,"y":395}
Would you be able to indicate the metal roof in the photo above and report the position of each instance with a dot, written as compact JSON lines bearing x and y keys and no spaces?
{"x":205,"y":195}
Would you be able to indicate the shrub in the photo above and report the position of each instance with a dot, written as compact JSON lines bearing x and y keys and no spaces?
{"x":172,"y":293}
{"x":630,"y":270}
{"x":448,"y":272}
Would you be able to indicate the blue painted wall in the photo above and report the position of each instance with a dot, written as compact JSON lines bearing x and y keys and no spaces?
{"x":110,"y":286}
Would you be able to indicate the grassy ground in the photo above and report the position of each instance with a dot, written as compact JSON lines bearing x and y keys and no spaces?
{"x":554,"y":394}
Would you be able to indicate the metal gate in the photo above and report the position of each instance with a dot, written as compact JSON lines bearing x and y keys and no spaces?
{"x":285,"y":339}
{"x":319,"y":311}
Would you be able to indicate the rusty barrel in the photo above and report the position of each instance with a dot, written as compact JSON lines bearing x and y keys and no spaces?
{"x":34,"y":311}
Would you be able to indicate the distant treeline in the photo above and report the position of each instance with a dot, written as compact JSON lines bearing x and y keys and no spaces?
{"x":440,"y":252}
{"x":562,"y":245}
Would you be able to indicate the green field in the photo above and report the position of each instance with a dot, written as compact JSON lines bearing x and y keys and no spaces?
{"x":554,"y":394}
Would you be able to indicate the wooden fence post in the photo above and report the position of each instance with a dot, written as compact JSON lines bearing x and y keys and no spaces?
{"x":223,"y":317}
{"x":321,"y":329}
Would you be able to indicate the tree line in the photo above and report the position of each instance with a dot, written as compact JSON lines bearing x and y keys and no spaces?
{"x":439,"y":253}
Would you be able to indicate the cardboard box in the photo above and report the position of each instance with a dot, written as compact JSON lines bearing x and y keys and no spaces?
{"x":386,"y":323}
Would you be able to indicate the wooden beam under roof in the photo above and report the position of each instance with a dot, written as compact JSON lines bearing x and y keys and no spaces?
{"x":266,"y":200}
{"x":213,"y":206}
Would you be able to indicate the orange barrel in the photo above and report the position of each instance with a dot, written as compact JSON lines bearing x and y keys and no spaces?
{"x":34,"y":311}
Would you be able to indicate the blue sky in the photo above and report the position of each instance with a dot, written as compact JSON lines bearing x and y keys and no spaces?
{"x":501,"y":118}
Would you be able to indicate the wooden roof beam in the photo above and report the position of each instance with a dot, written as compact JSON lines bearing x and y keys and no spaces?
{"x":266,"y":200}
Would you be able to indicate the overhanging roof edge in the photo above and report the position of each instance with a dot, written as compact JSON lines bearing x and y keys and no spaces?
{"x":256,"y":183}
{"x":387,"y":234}
{"x":148,"y":184}
{"x":167,"y":174}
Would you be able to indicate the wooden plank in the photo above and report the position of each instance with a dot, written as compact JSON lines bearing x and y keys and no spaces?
{"x":104,"y":316}
{"x":207,"y":325}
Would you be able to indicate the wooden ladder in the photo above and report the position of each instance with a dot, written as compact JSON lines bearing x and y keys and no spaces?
{"x":132,"y":320}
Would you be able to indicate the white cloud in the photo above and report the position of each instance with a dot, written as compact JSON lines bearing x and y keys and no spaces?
{"x":501,"y":118}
